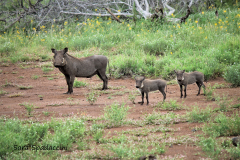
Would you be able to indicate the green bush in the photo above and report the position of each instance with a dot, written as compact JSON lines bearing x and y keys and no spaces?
{"x":170,"y":105}
{"x":34,"y":133}
{"x":198,"y":115}
{"x":78,"y":84}
{"x":223,"y":125}
{"x":232,"y":74}
{"x":116,"y":113}
{"x":92,"y":97}
{"x":10,"y":136}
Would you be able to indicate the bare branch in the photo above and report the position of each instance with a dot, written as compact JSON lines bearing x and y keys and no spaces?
{"x":183,"y":19}
{"x":113,"y":15}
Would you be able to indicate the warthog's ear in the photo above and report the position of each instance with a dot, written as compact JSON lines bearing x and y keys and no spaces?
{"x":175,"y":71}
{"x":183,"y":71}
{"x":65,"y":50}
{"x":53,"y":50}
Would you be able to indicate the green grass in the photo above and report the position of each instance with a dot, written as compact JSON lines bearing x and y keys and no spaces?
{"x":145,"y":48}
{"x":223,"y":125}
{"x":24,"y":87}
{"x":199,"y":115}
{"x":29,"y":107}
{"x":35,"y":76}
{"x":92,"y":97}
{"x":215,"y":141}
{"x":210,"y":45}
{"x":169,"y":105}
{"x":46,"y":69}
{"x":2,"y":92}
{"x":78,"y":84}
{"x":115,"y":114}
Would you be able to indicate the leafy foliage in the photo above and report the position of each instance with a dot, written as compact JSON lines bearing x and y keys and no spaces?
{"x":232,"y":74}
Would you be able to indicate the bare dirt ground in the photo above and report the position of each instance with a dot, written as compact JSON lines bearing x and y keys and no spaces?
{"x":47,"y":95}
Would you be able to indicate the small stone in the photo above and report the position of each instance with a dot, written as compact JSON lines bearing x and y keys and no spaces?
{"x":194,"y":130}
{"x":236,"y":141}
{"x":41,"y":98}
{"x":150,"y":157}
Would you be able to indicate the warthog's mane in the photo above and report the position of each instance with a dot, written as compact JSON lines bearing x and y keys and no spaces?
{"x":72,"y":56}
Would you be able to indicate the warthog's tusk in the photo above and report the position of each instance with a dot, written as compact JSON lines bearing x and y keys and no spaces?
{"x":64,"y":62}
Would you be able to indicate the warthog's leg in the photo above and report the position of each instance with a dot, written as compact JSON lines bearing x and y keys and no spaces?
{"x":185,"y":91}
{"x":147,"y":98}
{"x":70,"y":80}
{"x":142,"y":98}
{"x":163,"y":93}
{"x":181,"y":91}
{"x":200,"y":84}
{"x":199,"y":87}
{"x":103,"y":77}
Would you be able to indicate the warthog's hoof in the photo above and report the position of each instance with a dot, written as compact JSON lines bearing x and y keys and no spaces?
{"x":68,"y":93}
{"x":140,"y":103}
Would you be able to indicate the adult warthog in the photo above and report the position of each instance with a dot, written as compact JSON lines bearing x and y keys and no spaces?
{"x":73,"y":67}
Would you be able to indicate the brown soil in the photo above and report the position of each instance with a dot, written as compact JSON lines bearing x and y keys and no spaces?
{"x":61,"y":106}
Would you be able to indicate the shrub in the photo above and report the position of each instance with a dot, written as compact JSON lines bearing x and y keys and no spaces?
{"x":232,"y":74}
{"x":10,"y":137}
{"x":92,"y":97}
{"x":116,"y":113}
{"x":78,"y":84}
{"x":35,"y":132}
{"x":29,"y":107}
{"x":208,"y":91}
{"x":223,"y":125}
{"x":171,"y":105}
{"x":197,"y":115}
{"x":223,"y":103}
{"x":132,"y":97}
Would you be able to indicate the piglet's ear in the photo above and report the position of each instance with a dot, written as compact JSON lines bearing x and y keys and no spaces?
{"x":175,"y":71}
{"x":65,"y":50}
{"x":53,"y":50}
{"x":135,"y":77}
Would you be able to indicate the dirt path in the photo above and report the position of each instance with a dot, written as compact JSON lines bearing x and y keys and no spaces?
{"x":47,"y":95}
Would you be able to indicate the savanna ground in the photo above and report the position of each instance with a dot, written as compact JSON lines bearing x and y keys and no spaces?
{"x":175,"y":137}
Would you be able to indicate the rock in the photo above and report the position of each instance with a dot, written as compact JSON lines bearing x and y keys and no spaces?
{"x":150,"y":157}
{"x":236,"y":141}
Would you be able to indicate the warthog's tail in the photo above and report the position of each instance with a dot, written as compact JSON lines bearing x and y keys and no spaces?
{"x":109,"y":70}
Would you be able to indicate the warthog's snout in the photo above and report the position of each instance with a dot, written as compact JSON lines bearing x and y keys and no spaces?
{"x":179,"y":80}
{"x":137,"y":86}
{"x":59,"y":63}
